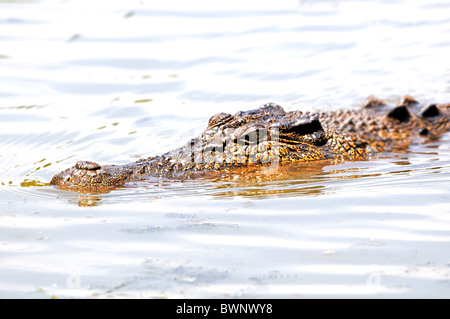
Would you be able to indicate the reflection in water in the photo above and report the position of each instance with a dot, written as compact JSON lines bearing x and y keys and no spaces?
{"x":32,"y":183}
{"x":306,"y":179}
{"x":289,"y":180}
{"x":89,"y":201}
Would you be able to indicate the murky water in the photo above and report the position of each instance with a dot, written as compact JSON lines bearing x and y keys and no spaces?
{"x":113,"y":81}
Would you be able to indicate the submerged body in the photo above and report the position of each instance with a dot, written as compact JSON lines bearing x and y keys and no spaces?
{"x":270,"y":136}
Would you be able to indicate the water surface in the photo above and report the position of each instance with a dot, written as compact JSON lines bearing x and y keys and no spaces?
{"x":114,"y":81}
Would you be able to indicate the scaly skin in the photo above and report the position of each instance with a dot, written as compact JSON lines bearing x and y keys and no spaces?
{"x":270,"y":136}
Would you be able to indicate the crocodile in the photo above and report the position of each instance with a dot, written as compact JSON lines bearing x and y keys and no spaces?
{"x":270,"y":136}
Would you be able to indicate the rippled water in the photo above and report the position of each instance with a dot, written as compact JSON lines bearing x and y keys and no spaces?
{"x":113,"y":81}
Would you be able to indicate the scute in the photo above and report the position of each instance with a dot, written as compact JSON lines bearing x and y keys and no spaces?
{"x":219,"y":119}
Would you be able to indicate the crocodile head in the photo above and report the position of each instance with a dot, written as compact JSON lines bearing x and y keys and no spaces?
{"x":264,"y":136}
{"x":259,"y":136}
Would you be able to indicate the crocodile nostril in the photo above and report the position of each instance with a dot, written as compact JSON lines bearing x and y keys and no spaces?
{"x":88,"y":166}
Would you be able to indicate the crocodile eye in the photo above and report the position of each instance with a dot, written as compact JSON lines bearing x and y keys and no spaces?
{"x":219,"y":119}
{"x":304,"y":126}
